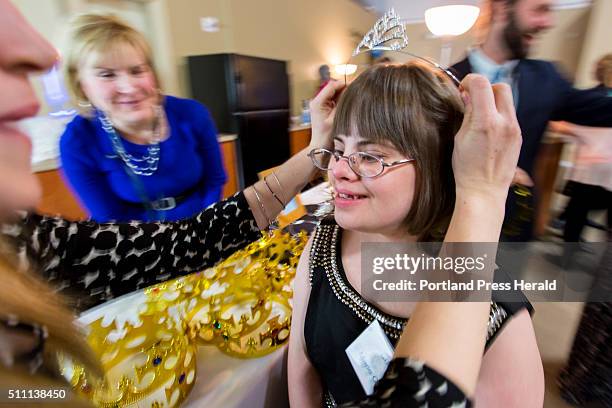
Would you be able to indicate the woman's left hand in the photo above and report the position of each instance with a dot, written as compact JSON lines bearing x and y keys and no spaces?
{"x":322,"y":111}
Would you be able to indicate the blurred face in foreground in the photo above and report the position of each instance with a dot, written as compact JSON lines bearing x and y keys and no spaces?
{"x":22,"y":52}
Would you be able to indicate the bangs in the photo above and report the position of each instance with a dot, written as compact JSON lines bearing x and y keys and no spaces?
{"x":382,"y":106}
{"x":358,"y":116}
{"x":117,"y":47}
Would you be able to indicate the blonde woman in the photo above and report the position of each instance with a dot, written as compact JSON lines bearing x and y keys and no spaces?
{"x":134,"y":153}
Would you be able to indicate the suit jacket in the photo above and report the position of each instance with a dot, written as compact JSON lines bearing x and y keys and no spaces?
{"x":545,"y":95}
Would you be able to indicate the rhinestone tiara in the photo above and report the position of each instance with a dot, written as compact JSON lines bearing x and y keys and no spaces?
{"x":389,"y":34}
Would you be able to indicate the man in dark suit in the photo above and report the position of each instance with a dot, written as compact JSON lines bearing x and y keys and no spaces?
{"x":540,"y":91}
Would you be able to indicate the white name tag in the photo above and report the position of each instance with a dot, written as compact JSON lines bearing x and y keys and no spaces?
{"x":370,"y":354}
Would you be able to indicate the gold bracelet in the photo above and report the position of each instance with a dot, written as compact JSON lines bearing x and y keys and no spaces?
{"x":273,"y":193}
{"x":279,"y":183}
{"x":263,"y":210}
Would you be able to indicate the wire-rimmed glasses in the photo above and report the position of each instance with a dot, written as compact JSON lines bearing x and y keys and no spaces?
{"x":362,"y":163}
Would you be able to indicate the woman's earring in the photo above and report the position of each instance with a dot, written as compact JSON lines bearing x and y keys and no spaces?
{"x":84,"y":103}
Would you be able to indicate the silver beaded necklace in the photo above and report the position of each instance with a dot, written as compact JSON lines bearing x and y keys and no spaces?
{"x":145,"y":165}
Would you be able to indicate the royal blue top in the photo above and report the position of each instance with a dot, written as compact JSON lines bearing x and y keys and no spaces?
{"x":189,"y":164}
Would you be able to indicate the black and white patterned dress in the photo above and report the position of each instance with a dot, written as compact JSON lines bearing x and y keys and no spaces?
{"x":94,"y":262}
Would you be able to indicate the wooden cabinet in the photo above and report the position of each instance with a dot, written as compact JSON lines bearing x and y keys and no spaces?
{"x":230,"y":160}
{"x":298,"y":139}
{"x":57,"y":198}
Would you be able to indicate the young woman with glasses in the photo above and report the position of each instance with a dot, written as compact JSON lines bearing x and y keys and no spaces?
{"x":391,"y":169}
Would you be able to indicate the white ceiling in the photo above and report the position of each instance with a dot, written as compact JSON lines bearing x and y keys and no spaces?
{"x":413,"y":11}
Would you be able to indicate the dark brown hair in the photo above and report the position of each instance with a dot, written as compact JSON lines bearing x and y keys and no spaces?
{"x":417,"y":109}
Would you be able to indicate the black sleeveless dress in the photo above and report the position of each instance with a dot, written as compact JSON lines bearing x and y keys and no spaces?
{"x":337,"y":315}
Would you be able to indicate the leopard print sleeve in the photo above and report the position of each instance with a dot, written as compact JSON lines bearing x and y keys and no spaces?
{"x":409,"y":383}
{"x":98,"y":262}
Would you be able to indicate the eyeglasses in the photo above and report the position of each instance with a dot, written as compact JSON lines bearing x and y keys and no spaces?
{"x":362,"y":163}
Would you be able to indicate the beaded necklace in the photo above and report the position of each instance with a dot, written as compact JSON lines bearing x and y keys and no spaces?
{"x":145,"y":165}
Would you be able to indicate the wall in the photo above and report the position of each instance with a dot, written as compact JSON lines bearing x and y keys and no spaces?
{"x":597,"y":42}
{"x":304,"y":33}
{"x":564,"y":42}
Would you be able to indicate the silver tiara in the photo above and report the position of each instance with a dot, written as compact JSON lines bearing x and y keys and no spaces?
{"x":389,"y":34}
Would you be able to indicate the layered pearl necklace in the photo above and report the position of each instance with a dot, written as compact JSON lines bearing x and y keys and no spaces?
{"x":145,"y":165}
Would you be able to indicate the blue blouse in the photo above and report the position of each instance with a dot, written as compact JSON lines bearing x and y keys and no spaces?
{"x":189,"y":164}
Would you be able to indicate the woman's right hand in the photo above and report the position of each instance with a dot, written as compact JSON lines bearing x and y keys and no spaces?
{"x":488,"y":144}
{"x":322,"y":111}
